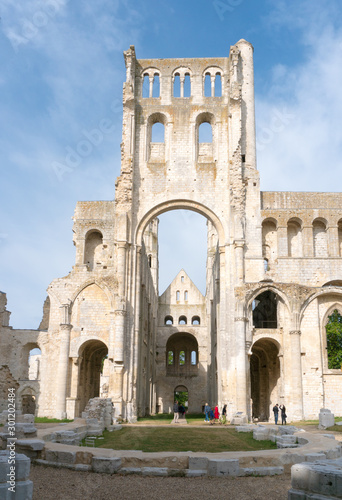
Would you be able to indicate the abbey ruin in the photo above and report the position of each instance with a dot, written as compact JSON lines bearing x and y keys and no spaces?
{"x":273,"y":277}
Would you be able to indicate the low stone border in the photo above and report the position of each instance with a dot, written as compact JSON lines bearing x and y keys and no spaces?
{"x":185,"y":464}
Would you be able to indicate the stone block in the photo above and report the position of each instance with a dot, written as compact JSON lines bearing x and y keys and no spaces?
{"x":106,"y":465}
{"x":130,"y":470}
{"x":321,"y":478}
{"x":196,"y":473}
{"x":23,"y":491}
{"x":326,"y":419}
{"x":315,"y":457}
{"x":30,"y":444}
{"x":154,"y":471}
{"x":21,"y":464}
{"x":60,"y":457}
{"x":222,"y":467}
{"x":261,"y":471}
{"x":198,"y":463}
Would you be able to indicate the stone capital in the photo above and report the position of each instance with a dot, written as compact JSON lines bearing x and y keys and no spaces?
{"x":241,"y":318}
{"x":295,"y":332}
{"x":239,"y":243}
{"x":65,"y":327}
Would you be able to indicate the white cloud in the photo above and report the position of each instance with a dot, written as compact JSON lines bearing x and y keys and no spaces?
{"x":299,"y":116}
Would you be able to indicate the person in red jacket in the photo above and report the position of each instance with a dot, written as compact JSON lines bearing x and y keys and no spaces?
{"x":216,"y":413}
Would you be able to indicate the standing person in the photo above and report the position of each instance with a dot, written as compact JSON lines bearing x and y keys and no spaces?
{"x":224,"y":415}
{"x":206,"y":412}
{"x":176,"y":412}
{"x":276,"y":413}
{"x":216,"y":413}
{"x":212,"y":416}
{"x":283,"y":414}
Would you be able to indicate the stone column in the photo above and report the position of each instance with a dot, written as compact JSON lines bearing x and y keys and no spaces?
{"x":212,"y":80}
{"x":73,"y":401}
{"x":63,"y":365}
{"x":307,"y":241}
{"x":239,"y":261}
{"x":296,"y":374}
{"x":283,"y":250}
{"x":241,"y":364}
{"x":333,"y":243}
{"x":181,"y":79}
{"x":151,"y":78}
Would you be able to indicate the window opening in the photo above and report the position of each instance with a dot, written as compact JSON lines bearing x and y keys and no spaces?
{"x":156,"y":86}
{"x":266,"y":267}
{"x":193,"y":358}
{"x":150,"y":261}
{"x":182,"y":279}
{"x":187,"y":85}
{"x":265,"y":310}
{"x":207,"y":85}
{"x":158,"y":132}
{"x":218,"y":85}
{"x":186,"y":295}
{"x":168,"y":320}
{"x":334,"y":340}
{"x":170,"y":358}
{"x":182,"y":320}
{"x":176,"y":86}
{"x":177,"y":295}
{"x":182,"y":358}
{"x":195,"y":320}
{"x":205,"y":133}
{"x":146,"y":87}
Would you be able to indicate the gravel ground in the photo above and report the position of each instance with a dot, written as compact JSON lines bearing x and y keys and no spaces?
{"x":63,"y":484}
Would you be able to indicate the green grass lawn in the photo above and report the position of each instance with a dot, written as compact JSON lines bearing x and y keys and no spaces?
{"x":210,"y":439}
{"x":45,"y":420}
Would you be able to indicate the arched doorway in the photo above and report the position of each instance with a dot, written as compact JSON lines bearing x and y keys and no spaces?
{"x":265,"y":374}
{"x":92,"y":353}
{"x":28,"y":404}
{"x":181,"y":394}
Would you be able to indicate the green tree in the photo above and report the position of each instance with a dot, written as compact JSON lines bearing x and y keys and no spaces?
{"x":334,"y":340}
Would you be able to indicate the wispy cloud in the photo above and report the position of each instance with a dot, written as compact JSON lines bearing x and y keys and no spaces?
{"x":305,"y":153}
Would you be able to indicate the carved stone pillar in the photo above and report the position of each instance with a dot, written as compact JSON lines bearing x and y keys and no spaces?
{"x":241,"y":364}
{"x":63,"y":365}
{"x":239,"y":261}
{"x":296,"y":374}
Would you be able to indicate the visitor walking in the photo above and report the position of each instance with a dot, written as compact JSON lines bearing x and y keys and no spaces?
{"x":224,"y":415}
{"x":216,"y":413}
{"x":175,"y":412}
{"x":276,"y":413}
{"x":212,"y":416}
{"x":206,"y":412}
{"x":283,"y":414}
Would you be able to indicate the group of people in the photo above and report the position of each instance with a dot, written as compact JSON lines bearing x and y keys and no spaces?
{"x":178,"y":411}
{"x":212,"y":414}
{"x":282,"y":410}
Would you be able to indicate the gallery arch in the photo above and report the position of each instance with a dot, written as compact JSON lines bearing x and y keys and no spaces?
{"x":91,"y":356}
{"x":265,"y":378}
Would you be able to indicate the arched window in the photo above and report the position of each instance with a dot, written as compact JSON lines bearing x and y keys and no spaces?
{"x":177,"y":295}
{"x":320,"y":238}
{"x":218,"y":85}
{"x":207,"y":85}
{"x":195,"y":320}
{"x":294,"y":239}
{"x":205,"y":133}
{"x":334,"y":340}
{"x":176,"y":86}
{"x":146,"y":86}
{"x":187,"y":85}
{"x":168,"y":320}
{"x":150,"y":261}
{"x":156,"y":137}
{"x":184,"y":348}
{"x":185,"y":295}
{"x":158,"y":132}
{"x":269,"y":241}
{"x":340,"y":237}
{"x":265,"y":310}
{"x":156,"y":86}
{"x":182,"y":320}
{"x":93,"y":249}
{"x":170,"y":358}
{"x":266,"y":267}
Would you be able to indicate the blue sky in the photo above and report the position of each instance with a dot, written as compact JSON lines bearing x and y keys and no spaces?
{"x":62,"y":75}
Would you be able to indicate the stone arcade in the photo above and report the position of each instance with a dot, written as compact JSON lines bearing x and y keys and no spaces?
{"x":274,"y":268}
